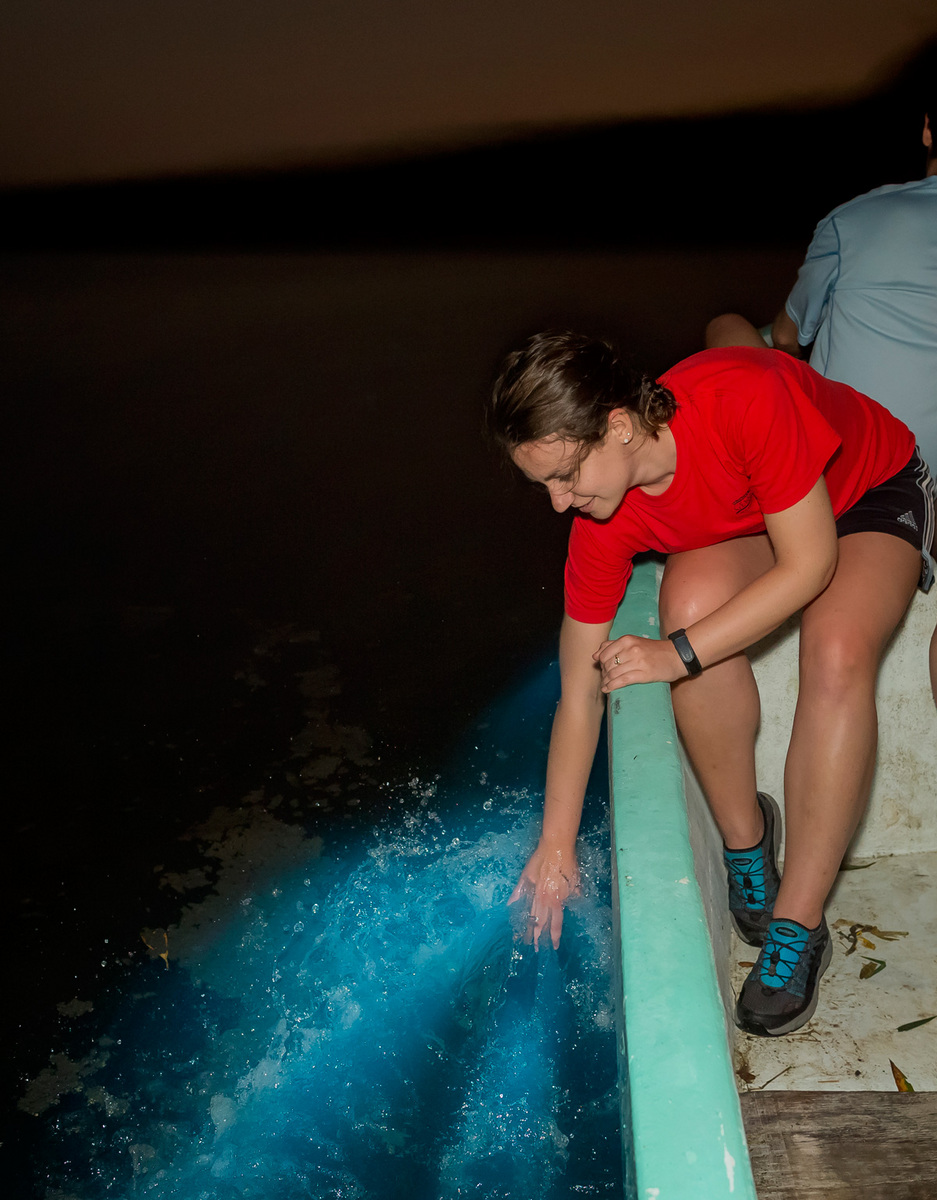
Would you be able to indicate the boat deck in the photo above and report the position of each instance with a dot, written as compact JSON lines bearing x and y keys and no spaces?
{"x":836,"y":1146}
{"x":857,"y":1032}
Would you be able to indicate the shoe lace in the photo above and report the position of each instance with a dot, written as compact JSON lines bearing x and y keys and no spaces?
{"x":747,"y":873}
{"x":779,"y":958}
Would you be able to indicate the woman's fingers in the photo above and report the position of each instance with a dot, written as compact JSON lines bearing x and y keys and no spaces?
{"x":631,"y":659}
{"x":534,"y":925}
{"x":612,"y":654}
{"x":556,"y":925}
{"x":548,"y":880}
{"x":620,"y":662}
{"x":544,"y":916}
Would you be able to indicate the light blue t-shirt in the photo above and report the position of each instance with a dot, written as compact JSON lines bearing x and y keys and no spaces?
{"x":866,"y":296}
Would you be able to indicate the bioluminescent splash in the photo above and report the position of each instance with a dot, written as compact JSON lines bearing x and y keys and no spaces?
{"x":353,"y":1021}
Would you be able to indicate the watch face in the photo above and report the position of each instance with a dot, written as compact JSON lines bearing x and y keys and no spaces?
{"x":686,"y":652}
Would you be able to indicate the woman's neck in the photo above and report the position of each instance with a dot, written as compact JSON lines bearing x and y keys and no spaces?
{"x":659,"y":462}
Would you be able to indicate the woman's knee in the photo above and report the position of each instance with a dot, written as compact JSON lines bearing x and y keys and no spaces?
{"x":837,"y":663}
{"x":691,"y":589}
{"x":697,"y":582}
{"x":687,"y":600}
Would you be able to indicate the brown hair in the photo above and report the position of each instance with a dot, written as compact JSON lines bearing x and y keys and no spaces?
{"x":565,"y":385}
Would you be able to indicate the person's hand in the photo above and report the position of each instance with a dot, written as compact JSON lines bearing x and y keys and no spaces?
{"x":638,"y":660}
{"x":549,"y":879}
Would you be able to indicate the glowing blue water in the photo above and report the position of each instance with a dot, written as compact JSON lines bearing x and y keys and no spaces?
{"x":361,"y":1024}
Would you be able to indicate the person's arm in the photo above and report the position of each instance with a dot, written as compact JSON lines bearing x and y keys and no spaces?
{"x":731,"y":329}
{"x":807,"y":306}
{"x":805,"y":549}
{"x":552,"y":871}
{"x":784,"y":335}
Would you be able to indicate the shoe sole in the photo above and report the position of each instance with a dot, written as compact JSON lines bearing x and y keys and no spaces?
{"x":744,"y":934}
{"x":802,"y":1017}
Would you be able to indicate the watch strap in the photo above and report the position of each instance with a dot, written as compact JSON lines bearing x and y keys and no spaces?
{"x":685,"y":650}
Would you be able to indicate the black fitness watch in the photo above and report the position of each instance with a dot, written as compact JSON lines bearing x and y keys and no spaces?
{"x":686,"y":652}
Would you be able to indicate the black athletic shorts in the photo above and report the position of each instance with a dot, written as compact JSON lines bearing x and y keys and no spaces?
{"x":902,"y":506}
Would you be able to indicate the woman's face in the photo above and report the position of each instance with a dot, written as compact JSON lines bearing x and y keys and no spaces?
{"x":593,"y":485}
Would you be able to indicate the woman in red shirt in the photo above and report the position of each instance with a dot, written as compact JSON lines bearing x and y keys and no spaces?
{"x":771,"y":489}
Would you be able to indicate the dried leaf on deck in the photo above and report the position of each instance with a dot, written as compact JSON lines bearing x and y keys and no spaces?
{"x":887,"y":935}
{"x":914,"y":1024}
{"x":901,"y":1081}
{"x":856,"y":930}
{"x":744,"y":1071}
{"x":858,"y":866}
{"x":849,"y":939}
{"x":872,"y":967}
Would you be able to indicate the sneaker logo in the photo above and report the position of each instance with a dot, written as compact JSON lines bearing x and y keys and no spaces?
{"x":908,"y":519}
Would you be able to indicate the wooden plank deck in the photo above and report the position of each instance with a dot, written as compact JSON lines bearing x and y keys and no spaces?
{"x":842,"y":1145}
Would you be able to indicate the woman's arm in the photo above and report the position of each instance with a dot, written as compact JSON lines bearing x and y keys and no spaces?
{"x":552,"y":872}
{"x":803,"y":538}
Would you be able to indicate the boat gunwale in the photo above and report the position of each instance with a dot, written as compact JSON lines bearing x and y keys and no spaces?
{"x":686,"y":1135}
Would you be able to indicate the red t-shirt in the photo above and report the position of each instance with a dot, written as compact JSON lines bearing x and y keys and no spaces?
{"x":755,"y":430}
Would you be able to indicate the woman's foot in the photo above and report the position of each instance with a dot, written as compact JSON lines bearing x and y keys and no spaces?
{"x":781,"y":991}
{"x":754,"y":878}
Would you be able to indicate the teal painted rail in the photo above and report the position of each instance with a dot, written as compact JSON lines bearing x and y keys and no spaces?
{"x":678,"y":1089}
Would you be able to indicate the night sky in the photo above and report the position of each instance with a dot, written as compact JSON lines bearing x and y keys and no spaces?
{"x":104,"y":89}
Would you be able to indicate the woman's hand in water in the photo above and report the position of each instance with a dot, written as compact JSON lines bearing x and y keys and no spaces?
{"x":549,"y":879}
{"x":638,"y":660}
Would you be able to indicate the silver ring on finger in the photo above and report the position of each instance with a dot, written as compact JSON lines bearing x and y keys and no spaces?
{"x":617,"y":661}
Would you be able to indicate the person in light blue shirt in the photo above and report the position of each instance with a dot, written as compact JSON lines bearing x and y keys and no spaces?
{"x":866,"y":296}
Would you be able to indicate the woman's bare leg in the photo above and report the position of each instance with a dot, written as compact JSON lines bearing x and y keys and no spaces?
{"x":933,"y":664}
{"x":831,"y":757}
{"x":718,"y":712}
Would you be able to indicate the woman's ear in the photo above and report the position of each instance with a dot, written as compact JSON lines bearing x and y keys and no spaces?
{"x":620,"y":425}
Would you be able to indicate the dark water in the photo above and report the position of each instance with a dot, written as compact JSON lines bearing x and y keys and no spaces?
{"x":279,"y":643}
{"x":348,"y":1015}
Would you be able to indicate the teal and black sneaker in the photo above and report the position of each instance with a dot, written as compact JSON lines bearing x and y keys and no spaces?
{"x":754,"y":878}
{"x":781,"y":991}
